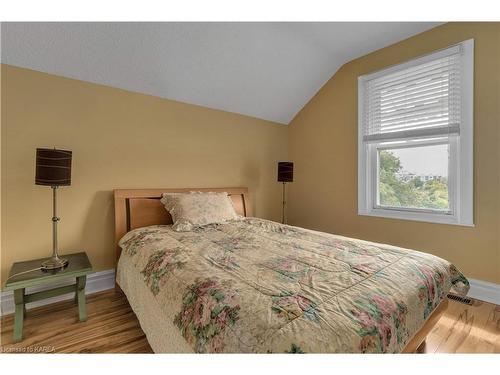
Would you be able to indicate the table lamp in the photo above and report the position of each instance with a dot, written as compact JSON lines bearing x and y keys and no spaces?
{"x":285,"y":174}
{"x":53,"y":168}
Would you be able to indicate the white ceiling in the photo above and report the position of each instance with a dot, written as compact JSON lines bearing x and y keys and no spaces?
{"x":265,"y":70}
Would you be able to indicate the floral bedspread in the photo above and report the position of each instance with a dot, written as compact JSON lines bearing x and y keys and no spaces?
{"x":259,"y":286}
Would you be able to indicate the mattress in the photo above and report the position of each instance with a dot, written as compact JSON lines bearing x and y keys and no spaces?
{"x":256,"y":286}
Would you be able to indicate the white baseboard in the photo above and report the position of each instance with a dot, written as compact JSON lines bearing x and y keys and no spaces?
{"x":484,"y":291}
{"x":96,"y":282}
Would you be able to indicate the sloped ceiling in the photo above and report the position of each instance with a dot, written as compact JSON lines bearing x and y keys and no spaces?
{"x":264,"y":70}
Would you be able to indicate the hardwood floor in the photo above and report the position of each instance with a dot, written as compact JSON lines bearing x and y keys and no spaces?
{"x":466,"y":329}
{"x":113,"y":328}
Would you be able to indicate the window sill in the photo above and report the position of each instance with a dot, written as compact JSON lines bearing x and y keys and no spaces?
{"x":416,"y":216}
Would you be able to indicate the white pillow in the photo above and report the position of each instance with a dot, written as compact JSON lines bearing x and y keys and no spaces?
{"x":194,"y":209}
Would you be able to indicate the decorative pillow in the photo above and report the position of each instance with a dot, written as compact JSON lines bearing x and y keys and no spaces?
{"x":194,"y":209}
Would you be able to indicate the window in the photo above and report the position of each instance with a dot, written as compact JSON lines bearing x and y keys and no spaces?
{"x":415,"y":127}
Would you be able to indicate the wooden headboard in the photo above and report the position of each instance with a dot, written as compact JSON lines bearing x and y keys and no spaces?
{"x":136,"y":208}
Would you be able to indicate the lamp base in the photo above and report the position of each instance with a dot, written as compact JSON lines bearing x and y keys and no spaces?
{"x":54,"y":263}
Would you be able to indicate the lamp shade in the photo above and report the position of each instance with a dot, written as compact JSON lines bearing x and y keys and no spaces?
{"x":285,"y":171}
{"x":53,"y":167}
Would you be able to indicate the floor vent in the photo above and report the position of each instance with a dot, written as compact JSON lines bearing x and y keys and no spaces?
{"x":463,"y":300}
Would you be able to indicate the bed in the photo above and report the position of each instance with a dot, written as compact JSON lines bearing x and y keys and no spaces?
{"x":256,"y":286}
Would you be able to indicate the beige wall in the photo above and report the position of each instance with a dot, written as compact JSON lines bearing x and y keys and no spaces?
{"x":323,"y":145}
{"x":119,"y":139}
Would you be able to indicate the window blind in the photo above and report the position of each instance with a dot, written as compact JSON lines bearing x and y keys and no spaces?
{"x":422,"y":100}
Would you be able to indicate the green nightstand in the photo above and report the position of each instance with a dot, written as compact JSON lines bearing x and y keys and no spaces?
{"x":79,"y":267}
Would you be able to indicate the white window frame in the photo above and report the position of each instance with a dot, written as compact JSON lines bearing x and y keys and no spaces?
{"x":460,"y":178}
